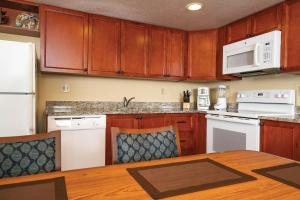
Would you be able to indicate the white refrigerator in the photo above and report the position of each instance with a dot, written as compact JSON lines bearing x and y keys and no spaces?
{"x":17,"y":88}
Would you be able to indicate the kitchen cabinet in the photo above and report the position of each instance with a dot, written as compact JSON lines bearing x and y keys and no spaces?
{"x":262,"y":22}
{"x":157,"y":64}
{"x":152,"y":121}
{"x":192,"y":129}
{"x":267,"y":20}
{"x":121,"y":121}
{"x":291,"y":39}
{"x":176,"y":53}
{"x":239,"y":30}
{"x":134,"y":49}
{"x":64,"y":40}
{"x":280,"y":138}
{"x":202,"y":52}
{"x":166,"y":53}
{"x":104,"y":45}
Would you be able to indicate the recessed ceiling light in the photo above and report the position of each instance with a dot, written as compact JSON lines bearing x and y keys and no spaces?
{"x":194,"y":6}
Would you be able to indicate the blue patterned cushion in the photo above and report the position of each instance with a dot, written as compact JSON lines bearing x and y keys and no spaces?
{"x":146,"y":146}
{"x":24,"y":158}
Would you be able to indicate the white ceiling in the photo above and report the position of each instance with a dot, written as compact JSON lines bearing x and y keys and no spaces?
{"x":169,"y":13}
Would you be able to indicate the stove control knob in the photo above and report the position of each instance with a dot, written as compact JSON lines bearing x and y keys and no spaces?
{"x":285,"y":96}
{"x":278,"y":95}
{"x":238,"y":95}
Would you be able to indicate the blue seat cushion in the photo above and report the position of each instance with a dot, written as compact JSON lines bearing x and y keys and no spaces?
{"x":146,"y":146}
{"x":24,"y":158}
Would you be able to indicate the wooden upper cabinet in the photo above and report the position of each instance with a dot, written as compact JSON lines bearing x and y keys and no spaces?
{"x":176,"y":52}
{"x":104,"y":45}
{"x":157,"y":65}
{"x":239,"y":30}
{"x":291,"y":32}
{"x":134,"y":48}
{"x":64,"y":40}
{"x":202,"y":49}
{"x":267,"y":20}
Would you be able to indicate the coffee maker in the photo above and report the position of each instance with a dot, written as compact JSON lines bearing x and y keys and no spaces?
{"x":203,"y":101}
{"x":221,"y":101}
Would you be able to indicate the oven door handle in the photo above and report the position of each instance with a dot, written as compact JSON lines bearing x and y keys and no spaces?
{"x":234,"y":119}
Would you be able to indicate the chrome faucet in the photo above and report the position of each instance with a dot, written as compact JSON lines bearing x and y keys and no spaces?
{"x":127,"y":101}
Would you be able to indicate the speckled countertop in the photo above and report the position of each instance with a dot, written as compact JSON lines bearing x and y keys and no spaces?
{"x":77,"y":108}
{"x":284,"y":118}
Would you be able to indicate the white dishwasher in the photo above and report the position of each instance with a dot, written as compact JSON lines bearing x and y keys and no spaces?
{"x":82,"y":140}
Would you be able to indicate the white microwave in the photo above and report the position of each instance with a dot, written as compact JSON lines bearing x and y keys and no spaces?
{"x":253,"y":56}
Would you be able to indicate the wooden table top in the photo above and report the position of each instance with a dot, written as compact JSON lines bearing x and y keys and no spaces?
{"x":114,"y":182}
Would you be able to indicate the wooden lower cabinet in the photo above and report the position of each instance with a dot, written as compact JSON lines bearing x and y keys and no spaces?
{"x":281,"y":139}
{"x":192,"y":129}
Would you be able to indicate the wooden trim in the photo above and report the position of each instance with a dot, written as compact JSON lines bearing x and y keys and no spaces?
{"x":115,"y":131}
{"x":42,"y":136}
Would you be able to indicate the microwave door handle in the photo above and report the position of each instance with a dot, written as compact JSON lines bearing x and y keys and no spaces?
{"x":256,"y":54}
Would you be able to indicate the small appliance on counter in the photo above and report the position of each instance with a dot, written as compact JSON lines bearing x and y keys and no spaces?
{"x":203,"y":101}
{"x":221,"y":101}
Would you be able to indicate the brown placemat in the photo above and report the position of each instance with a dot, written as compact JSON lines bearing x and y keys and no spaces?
{"x":48,"y":189}
{"x":166,"y":180}
{"x":288,"y":174}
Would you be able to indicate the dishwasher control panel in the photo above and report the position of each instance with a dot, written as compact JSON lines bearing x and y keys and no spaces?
{"x":76,"y":122}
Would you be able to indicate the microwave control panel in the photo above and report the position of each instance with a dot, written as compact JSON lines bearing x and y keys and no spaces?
{"x":267,"y":52}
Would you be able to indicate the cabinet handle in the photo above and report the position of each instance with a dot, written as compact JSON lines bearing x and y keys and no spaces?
{"x":139,"y":117}
{"x":181,"y":122}
{"x":85,"y":69}
{"x":182,"y":141}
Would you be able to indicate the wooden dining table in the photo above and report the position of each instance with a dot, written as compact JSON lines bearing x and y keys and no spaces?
{"x":114,"y":182}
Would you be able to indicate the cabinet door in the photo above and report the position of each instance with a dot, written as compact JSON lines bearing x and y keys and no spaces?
{"x":134,"y":48}
{"x":291,"y":59}
{"x":239,"y":30}
{"x":267,"y":20}
{"x":297,"y":145}
{"x":202,"y":49}
{"x":157,"y":66}
{"x":176,"y":53}
{"x":277,"y":138}
{"x":152,"y":121}
{"x":188,"y":128}
{"x":64,"y":40}
{"x":121,"y":121}
{"x":104,"y":45}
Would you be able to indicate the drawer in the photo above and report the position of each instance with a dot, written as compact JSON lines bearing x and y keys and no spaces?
{"x":187,"y":146}
{"x":182,"y":122}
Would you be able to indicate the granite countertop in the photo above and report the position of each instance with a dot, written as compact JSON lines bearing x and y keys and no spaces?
{"x":284,"y":118}
{"x":77,"y":108}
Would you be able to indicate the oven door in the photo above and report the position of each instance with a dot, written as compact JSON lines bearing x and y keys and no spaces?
{"x":232,"y":133}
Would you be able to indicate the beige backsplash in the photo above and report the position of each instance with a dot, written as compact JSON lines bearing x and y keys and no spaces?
{"x":112,"y":89}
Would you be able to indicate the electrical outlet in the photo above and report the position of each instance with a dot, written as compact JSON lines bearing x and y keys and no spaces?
{"x":66,"y":88}
{"x":162,"y":91}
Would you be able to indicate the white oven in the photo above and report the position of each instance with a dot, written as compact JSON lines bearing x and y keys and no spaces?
{"x":258,"y":54}
{"x":226,"y":133}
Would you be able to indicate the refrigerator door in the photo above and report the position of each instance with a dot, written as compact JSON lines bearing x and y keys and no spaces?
{"x":17,"y":115}
{"x":17,"y":67}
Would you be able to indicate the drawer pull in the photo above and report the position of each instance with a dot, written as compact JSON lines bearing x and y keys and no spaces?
{"x":181,"y":122}
{"x":182,"y":140}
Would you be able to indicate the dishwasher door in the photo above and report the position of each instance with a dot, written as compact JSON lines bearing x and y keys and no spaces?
{"x":82,"y":149}
{"x":82,"y":140}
